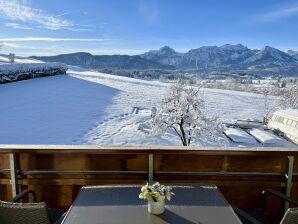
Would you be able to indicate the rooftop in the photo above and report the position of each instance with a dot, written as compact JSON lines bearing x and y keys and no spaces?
{"x":293,"y":113}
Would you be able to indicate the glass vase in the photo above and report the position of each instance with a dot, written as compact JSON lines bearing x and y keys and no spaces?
{"x":156,"y":208}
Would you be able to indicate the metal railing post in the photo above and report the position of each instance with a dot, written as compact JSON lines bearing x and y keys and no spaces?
{"x":13,"y":174}
{"x":150,"y":168}
{"x":289,"y":176}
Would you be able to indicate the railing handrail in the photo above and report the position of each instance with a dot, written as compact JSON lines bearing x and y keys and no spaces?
{"x":94,"y":149}
{"x":147,"y":163}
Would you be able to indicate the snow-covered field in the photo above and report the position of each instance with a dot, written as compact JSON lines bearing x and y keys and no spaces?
{"x":86,"y":107}
{"x":51,"y":110}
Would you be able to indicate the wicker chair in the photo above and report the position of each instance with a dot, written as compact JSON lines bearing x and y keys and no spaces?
{"x":290,"y":217}
{"x":28,"y":213}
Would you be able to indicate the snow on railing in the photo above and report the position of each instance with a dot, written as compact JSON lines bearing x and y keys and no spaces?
{"x":16,"y":72}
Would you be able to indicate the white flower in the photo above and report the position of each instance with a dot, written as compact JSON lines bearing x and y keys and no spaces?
{"x":156,"y":192}
{"x":141,"y":196}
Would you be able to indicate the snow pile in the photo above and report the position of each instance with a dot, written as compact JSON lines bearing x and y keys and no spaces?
{"x":15,"y":72}
{"x":239,"y":136}
{"x":293,"y":113}
{"x":269,"y":139}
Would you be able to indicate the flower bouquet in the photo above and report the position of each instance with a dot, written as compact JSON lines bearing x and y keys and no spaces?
{"x":156,"y":195}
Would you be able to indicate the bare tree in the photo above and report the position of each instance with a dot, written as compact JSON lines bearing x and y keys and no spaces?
{"x":266,"y":93}
{"x":11,"y":58}
{"x":268,"y":104}
{"x":182,"y":111}
{"x":289,"y":97}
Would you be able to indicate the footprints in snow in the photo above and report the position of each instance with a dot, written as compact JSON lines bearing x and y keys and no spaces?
{"x":80,"y":138}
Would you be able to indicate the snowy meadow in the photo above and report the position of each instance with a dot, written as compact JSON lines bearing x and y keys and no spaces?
{"x":86,"y":107}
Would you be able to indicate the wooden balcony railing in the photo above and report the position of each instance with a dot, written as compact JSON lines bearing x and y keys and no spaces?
{"x":56,"y":172}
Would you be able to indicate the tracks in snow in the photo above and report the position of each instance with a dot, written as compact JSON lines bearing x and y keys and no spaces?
{"x":103,"y":131}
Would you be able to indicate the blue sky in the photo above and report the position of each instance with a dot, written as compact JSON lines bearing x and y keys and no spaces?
{"x":39,"y":27}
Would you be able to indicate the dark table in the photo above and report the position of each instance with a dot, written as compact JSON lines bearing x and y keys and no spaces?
{"x":121,"y":204}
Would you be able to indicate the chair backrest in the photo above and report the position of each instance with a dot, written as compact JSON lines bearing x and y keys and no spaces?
{"x":25,"y":213}
{"x":291,"y":216}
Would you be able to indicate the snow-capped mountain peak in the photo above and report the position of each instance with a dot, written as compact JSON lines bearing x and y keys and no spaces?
{"x":271,"y":56}
{"x":292,"y":53}
{"x":164,"y":55}
{"x":236,"y":47}
{"x":206,"y":57}
{"x":167,"y":50}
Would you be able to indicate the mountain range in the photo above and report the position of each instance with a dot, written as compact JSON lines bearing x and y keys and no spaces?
{"x":90,"y":61}
{"x":207,"y":57}
{"x":294,"y":54}
{"x":224,"y":56}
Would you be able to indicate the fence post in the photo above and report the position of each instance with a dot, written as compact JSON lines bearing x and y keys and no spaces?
{"x":13,"y":174}
{"x":150,"y":168}
{"x":289,"y":176}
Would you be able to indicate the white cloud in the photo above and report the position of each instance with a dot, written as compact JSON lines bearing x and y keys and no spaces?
{"x":10,"y":45}
{"x":18,"y":26}
{"x":149,"y":11}
{"x":278,"y":13}
{"x":20,"y":10}
{"x":51,"y":39}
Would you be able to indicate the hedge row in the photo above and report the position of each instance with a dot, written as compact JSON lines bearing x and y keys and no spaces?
{"x":17,"y":72}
